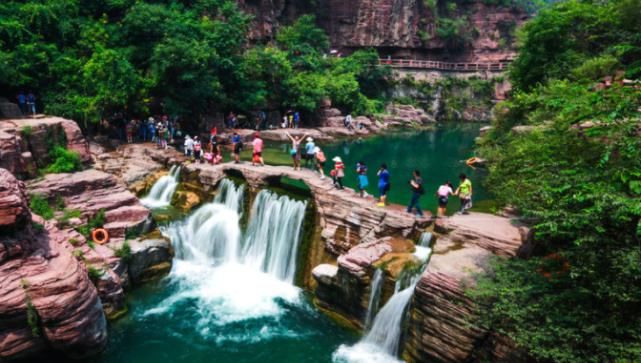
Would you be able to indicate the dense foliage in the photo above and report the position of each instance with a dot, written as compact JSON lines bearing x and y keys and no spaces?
{"x":574,"y":172}
{"x":88,"y":59}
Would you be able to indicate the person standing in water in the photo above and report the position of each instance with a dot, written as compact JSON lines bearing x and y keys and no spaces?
{"x":417,"y":190}
{"x":363,"y":182}
{"x":295,"y":151}
{"x":258,"y":150}
{"x":338,"y":173}
{"x":238,"y":146}
{"x":443,"y":194}
{"x":383,"y":184}
{"x":464,"y":192}
{"x":320,"y":161}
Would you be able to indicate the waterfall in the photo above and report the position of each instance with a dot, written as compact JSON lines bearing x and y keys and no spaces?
{"x":230,"y":195}
{"x":381,"y":344}
{"x":273,"y":235}
{"x":212,"y":235}
{"x":374,"y":297}
{"x":425,"y":239}
{"x":163,"y":189}
{"x":223,"y":277}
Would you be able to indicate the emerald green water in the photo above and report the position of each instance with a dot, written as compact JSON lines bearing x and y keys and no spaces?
{"x":438,"y":154}
{"x":181,"y":320}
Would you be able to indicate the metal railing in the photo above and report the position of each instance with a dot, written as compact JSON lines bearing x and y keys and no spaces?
{"x":445,"y":66}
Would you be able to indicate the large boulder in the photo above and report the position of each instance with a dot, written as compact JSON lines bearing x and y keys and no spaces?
{"x":22,"y":139}
{"x":14,"y":208}
{"x":46,"y":298}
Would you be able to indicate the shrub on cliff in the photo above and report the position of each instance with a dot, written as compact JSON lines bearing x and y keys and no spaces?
{"x":64,"y":161}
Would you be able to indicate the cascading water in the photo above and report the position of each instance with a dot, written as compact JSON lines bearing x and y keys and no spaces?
{"x":226,"y":278}
{"x":381,"y":343}
{"x":273,"y":235}
{"x":163,"y":189}
{"x":374,"y":297}
{"x":230,"y":195}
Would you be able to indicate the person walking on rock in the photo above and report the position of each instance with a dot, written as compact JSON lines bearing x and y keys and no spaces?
{"x":417,"y":190}
{"x":338,"y":173}
{"x":238,"y":146}
{"x":22,"y":102}
{"x":443,"y":193}
{"x":257,"y":156}
{"x":295,"y":151}
{"x":363,"y":182}
{"x":320,"y":161}
{"x":464,"y":192}
{"x":309,"y":151}
{"x":189,"y":146}
{"x":197,"y":149}
{"x":383,"y":184}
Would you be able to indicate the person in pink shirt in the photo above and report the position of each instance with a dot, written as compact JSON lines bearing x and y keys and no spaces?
{"x":257,"y":156}
{"x":443,"y":194}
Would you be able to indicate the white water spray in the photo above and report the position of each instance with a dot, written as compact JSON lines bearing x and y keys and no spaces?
{"x":163,"y":189}
{"x":231,"y":277}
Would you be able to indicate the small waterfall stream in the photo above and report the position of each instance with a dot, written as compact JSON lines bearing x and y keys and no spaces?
{"x":374,"y":297}
{"x":163,"y":189}
{"x":381,"y":344}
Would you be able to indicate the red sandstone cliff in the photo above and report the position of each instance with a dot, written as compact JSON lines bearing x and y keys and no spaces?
{"x":399,"y":28}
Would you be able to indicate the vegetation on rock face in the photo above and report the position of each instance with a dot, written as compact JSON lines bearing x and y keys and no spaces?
{"x":89,"y":59}
{"x":40,"y":206}
{"x":64,"y":161}
{"x":575,"y":174}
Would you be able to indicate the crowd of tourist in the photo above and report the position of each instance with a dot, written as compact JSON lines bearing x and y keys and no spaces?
{"x":315,"y":157}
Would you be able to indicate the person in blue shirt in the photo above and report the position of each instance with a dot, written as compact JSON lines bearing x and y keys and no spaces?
{"x":22,"y":102}
{"x":238,"y":146}
{"x":152,"y":129}
{"x":383,"y":184}
{"x":31,"y":103}
{"x":296,"y":119}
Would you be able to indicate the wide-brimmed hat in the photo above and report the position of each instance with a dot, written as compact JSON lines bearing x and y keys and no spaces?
{"x":310,"y":139}
{"x":337,"y":159}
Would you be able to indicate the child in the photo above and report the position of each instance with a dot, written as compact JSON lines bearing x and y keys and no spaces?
{"x":339,"y":172}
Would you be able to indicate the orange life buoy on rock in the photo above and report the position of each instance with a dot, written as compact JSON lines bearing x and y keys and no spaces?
{"x":100,"y":236}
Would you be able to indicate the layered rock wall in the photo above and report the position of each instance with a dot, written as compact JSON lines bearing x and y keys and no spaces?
{"x":398,"y":28}
{"x":46,"y":300}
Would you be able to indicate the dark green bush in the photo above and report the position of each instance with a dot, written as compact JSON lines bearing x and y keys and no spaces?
{"x":40,"y":206}
{"x":64,"y":161}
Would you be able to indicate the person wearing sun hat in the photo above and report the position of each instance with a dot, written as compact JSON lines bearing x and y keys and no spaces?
{"x":338,"y":173}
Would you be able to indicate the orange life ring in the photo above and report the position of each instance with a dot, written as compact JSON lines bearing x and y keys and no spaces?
{"x":100,"y":236}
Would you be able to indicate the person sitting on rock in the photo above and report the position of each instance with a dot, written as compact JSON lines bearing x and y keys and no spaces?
{"x":348,"y":122}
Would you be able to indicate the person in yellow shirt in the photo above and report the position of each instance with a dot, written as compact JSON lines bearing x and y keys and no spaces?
{"x":464,"y":192}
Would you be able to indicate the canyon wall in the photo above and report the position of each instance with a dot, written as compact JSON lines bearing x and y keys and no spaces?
{"x":397,"y":28}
